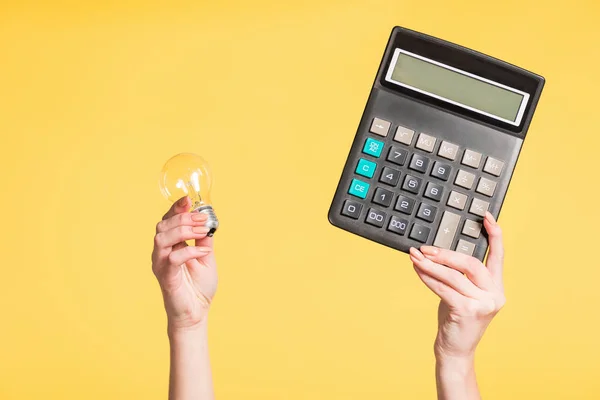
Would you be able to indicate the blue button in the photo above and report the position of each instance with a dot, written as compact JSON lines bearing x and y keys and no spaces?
{"x":373,"y":147}
{"x":359,"y":188}
{"x":366,"y":168}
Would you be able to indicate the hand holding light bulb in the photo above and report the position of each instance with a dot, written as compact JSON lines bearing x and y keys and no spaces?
{"x":186,"y":273}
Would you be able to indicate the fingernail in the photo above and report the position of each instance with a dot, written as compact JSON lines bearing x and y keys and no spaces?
{"x":416,"y":254}
{"x":429,"y":250}
{"x":200,"y":229}
{"x":204,"y":249}
{"x":199,"y":216}
{"x":490,"y":217}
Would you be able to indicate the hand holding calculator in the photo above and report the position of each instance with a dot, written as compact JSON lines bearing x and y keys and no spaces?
{"x":436,"y":146}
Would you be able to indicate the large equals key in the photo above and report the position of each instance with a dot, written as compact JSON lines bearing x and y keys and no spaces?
{"x":447,"y":230}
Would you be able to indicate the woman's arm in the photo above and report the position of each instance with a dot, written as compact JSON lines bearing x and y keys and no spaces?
{"x":187,"y":277}
{"x":190,"y":375}
{"x":471,"y":295}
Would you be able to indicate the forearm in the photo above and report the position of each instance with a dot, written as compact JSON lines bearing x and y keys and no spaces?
{"x":456,"y":379}
{"x":190,"y":374}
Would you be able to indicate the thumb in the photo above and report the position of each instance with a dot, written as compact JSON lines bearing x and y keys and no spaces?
{"x":495,"y":259}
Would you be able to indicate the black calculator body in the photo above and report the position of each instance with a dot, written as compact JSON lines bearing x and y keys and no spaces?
{"x":436,"y":146}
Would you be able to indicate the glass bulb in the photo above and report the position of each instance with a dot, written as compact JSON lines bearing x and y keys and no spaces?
{"x":188,"y":174}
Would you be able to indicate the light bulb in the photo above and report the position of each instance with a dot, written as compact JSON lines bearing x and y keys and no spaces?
{"x":187,"y":174}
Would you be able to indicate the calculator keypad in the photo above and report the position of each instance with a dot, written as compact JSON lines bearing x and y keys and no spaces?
{"x":432,"y":190}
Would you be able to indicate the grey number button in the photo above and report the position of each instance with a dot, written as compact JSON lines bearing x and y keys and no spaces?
{"x":448,"y":150}
{"x":380,"y":127}
{"x":426,"y":212}
{"x":464,"y":179}
{"x":441,"y":171}
{"x":434,"y":191}
{"x":389,"y":176}
{"x":397,"y":225}
{"x":397,"y":155}
{"x":457,"y":200}
{"x":404,"y":135}
{"x":465,"y":247}
{"x":411,"y":184}
{"x":486,"y":186}
{"x":351,"y":209}
{"x":383,"y":197}
{"x":471,"y":228}
{"x":471,"y":158}
{"x":375,"y":217}
{"x":418,"y":163}
{"x":493,"y":166}
{"x":425,"y":142}
{"x":404,"y":204}
{"x":479,"y":207}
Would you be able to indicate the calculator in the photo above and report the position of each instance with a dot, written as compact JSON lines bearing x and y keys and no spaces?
{"x":436,"y":146}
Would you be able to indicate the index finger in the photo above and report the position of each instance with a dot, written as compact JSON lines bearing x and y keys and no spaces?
{"x":180,"y":206}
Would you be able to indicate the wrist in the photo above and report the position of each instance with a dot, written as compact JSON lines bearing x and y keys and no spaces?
{"x":455,"y":368}
{"x":178,"y":331}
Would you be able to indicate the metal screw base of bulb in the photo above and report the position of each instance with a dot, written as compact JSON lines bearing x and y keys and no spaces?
{"x":212,"y":222}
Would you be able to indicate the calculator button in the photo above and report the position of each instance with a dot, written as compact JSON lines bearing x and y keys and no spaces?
{"x":426,"y":212}
{"x":359,"y":188}
{"x":457,"y":200}
{"x":434,"y":191}
{"x":448,"y":150}
{"x":419,"y":233}
{"x":447,"y":230}
{"x":351,"y":209}
{"x":383,"y":197}
{"x":365,"y":168}
{"x":479,"y":207}
{"x":411,"y":184}
{"x":389,"y":176}
{"x":397,"y":155}
{"x":493,"y":166}
{"x":425,"y":142}
{"x":464,"y":179}
{"x":404,"y":135}
{"x":397,"y":225}
{"x":471,"y":228}
{"x":375,"y":217}
{"x":471,"y":158}
{"x":441,"y":171}
{"x":404,"y":205}
{"x":380,"y":127}
{"x":373,"y":147}
{"x":465,"y":247}
{"x":486,"y":186}
{"x":419,"y":163}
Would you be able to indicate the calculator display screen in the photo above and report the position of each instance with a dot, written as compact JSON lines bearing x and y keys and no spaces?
{"x":457,"y":87}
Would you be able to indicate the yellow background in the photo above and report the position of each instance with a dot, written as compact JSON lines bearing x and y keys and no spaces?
{"x":94,"y":97}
